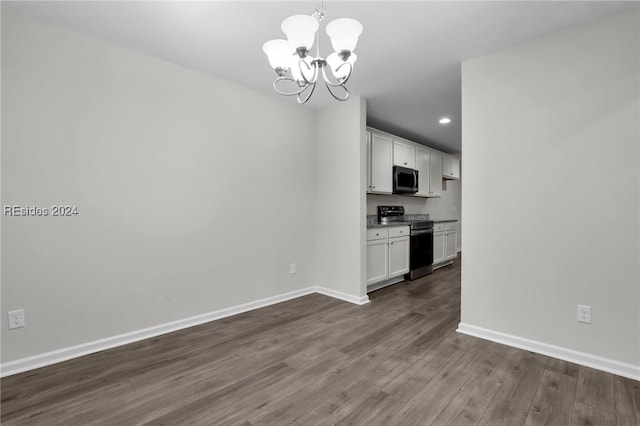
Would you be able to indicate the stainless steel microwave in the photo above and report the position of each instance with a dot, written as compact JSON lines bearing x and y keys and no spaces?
{"x":405,"y":181}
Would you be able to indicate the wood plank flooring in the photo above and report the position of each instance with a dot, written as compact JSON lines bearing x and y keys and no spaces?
{"x":319,"y":361}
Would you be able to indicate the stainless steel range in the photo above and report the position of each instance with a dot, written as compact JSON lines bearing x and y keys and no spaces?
{"x":421,"y":240}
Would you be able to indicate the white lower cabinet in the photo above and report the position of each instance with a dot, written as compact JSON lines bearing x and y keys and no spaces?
{"x":438,"y":247}
{"x":377,"y":266}
{"x":387,"y":253}
{"x":445,"y":237}
{"x":398,"y":256}
{"x":450,"y":238}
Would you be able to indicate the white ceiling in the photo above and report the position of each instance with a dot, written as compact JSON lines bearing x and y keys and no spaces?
{"x":409,"y":54}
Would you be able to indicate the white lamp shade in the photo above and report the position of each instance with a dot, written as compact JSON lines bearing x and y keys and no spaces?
{"x":335,"y":62}
{"x":344,"y":33}
{"x":279,"y":53}
{"x":296,"y":66}
{"x":300,"y":30}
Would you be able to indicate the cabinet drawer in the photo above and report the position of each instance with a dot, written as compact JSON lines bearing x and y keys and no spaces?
{"x":377,"y":233}
{"x":398,"y":231}
{"x":451,"y":226}
{"x":439,"y":227}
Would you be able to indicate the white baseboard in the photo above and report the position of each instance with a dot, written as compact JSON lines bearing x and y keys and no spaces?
{"x":342,"y":296}
{"x":64,"y":354}
{"x":588,"y":360}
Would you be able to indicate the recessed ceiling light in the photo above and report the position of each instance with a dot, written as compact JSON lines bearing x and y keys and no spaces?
{"x":445,"y":120}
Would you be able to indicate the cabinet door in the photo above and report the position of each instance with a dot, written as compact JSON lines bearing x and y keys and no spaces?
{"x":450,"y":168}
{"x":398,"y":256}
{"x":450,"y":245}
{"x":368,"y":161}
{"x":435,"y":175}
{"x":454,"y":168}
{"x":377,"y":266}
{"x":404,"y":154}
{"x":381,"y":164}
{"x":438,"y":247}
{"x":423,"y":156}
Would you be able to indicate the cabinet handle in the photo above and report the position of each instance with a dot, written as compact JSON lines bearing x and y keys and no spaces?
{"x":373,"y":186}
{"x":405,"y":164}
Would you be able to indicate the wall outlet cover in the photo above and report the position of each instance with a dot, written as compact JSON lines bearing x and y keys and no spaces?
{"x":16,"y":319}
{"x":584,"y":314}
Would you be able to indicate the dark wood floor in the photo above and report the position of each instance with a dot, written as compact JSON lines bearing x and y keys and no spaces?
{"x":319,"y":361}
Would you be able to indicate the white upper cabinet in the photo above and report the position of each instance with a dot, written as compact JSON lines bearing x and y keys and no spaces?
{"x":404,"y":154}
{"x":380,"y":164}
{"x":451,"y":168}
{"x":423,"y":157}
{"x":368,"y":161}
{"x":385,"y":151}
{"x":435,"y":175}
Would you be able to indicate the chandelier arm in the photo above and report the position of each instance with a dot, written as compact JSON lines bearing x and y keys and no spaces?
{"x":295,"y":93}
{"x":304,"y":77}
{"x":331,"y":85}
{"x":341,"y":82}
{"x":313,"y":87}
{"x":330,"y":88}
{"x":346,"y":78}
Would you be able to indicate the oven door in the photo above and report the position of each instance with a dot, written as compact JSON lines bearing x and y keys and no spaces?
{"x":421,"y":253}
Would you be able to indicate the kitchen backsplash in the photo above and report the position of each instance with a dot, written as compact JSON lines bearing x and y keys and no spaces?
{"x":448,"y":206}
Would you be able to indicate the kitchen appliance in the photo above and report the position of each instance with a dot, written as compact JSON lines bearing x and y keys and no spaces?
{"x":405,"y":181}
{"x":420,"y":249}
{"x":391,"y":215}
{"x":420,"y":240}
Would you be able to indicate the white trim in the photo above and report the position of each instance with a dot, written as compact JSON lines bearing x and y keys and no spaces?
{"x":593,"y":361}
{"x":64,"y":354}
{"x":383,"y":284}
{"x":342,"y":296}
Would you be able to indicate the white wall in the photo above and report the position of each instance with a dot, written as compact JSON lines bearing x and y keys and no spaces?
{"x":194,"y":194}
{"x":551,"y":192}
{"x":341,"y":203}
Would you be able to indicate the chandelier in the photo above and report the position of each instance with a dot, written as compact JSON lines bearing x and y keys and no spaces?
{"x":300,"y":71}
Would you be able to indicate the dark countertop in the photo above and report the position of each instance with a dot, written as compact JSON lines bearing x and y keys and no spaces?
{"x":372,"y":221}
{"x":444,"y":220}
{"x":386,"y":225}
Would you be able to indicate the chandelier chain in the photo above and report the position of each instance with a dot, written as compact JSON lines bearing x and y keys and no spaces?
{"x":318,"y":12}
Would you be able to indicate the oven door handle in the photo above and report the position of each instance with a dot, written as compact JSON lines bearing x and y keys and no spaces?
{"x":421,"y":232}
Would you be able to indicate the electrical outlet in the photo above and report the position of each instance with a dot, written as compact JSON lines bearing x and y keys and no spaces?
{"x":584,"y":314}
{"x":292,"y":268}
{"x":16,"y":319}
